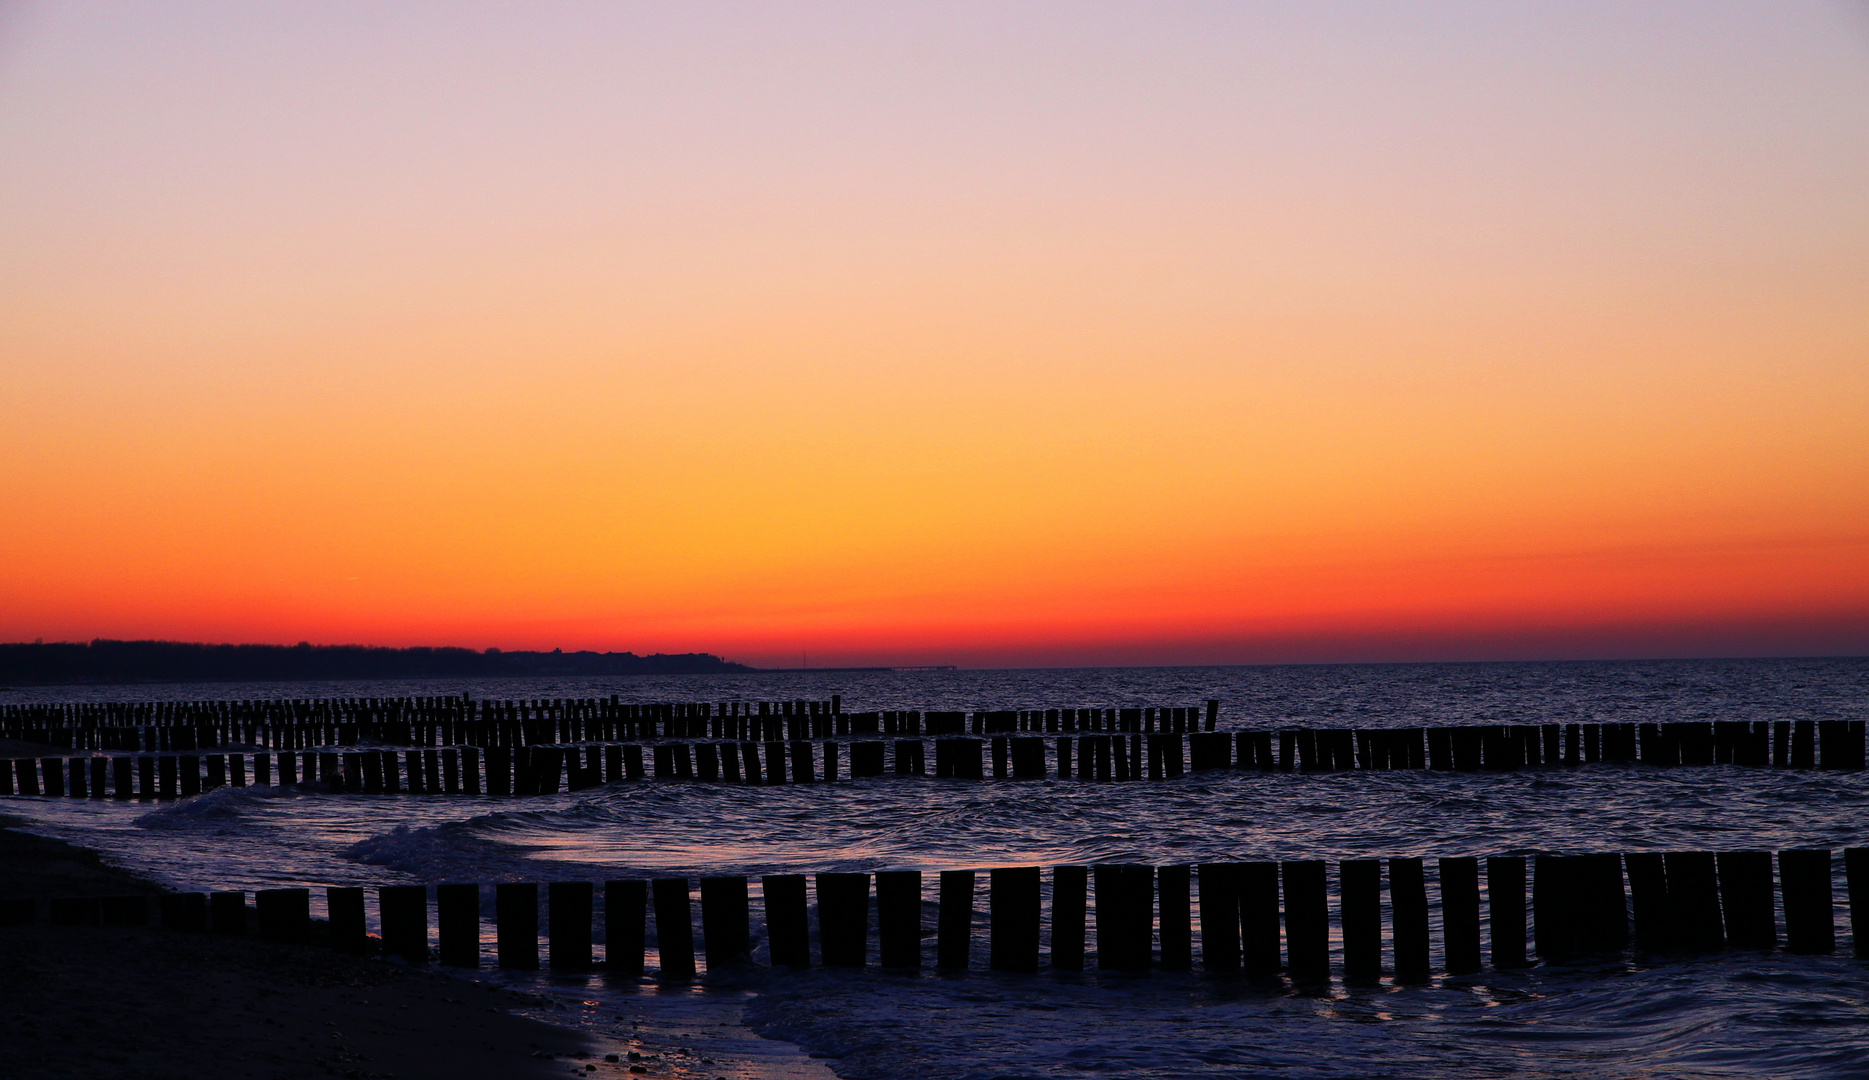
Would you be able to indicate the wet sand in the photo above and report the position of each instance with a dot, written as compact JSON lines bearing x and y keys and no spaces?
{"x":163,"y":1005}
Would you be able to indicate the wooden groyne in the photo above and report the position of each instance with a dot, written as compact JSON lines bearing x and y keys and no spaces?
{"x":508,"y":770}
{"x":1266,"y":920}
{"x":461,"y":721}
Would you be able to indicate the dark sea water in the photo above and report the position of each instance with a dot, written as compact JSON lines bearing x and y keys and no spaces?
{"x":1736,"y":1014}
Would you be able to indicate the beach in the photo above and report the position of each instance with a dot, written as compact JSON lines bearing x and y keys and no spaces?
{"x":164,"y":1005}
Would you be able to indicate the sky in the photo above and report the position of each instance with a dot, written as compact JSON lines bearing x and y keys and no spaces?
{"x":995,"y":334}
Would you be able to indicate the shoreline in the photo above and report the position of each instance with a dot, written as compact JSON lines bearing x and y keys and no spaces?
{"x":169,"y":1005}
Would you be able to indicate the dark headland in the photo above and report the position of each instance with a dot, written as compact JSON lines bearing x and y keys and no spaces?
{"x":105,"y":661}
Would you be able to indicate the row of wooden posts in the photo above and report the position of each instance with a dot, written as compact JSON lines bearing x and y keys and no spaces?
{"x":462,"y":722}
{"x":1261,"y":919}
{"x":528,"y":770}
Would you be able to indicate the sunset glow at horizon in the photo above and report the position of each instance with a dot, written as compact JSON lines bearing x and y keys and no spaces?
{"x":993,"y":335}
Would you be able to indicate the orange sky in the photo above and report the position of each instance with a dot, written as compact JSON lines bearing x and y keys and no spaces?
{"x":981,"y":335}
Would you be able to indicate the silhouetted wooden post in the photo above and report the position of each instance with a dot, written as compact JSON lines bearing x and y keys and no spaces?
{"x":1746,"y":899}
{"x":1694,"y":900}
{"x":1648,"y":898}
{"x":1460,"y":914}
{"x":1259,"y":919}
{"x":725,"y":921}
{"x":788,"y":926}
{"x":403,"y":912}
{"x":1408,"y":903}
{"x":674,"y":928}
{"x":283,"y":914}
{"x":802,"y":765}
{"x":1804,"y":878}
{"x":1359,"y":900}
{"x":844,"y":919}
{"x":954,"y":923}
{"x":899,"y":915}
{"x":626,"y":915}
{"x":569,"y":924}
{"x":1856,"y":883}
{"x":1804,"y":744}
{"x":1028,"y":758}
{"x":1307,"y":921}
{"x":1440,"y":750}
{"x":1505,"y":908}
{"x":1013,"y":918}
{"x":1069,"y":905}
{"x":186,"y":911}
{"x":227,"y":912}
{"x":1125,"y":937}
{"x":457,"y":923}
{"x":1174,"y":903}
{"x":1220,"y":918}
{"x":345,"y":913}
{"x":1554,"y":909}
{"x":516,"y":924}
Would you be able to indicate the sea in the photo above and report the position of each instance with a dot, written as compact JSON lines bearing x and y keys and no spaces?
{"x":1733,"y":1014}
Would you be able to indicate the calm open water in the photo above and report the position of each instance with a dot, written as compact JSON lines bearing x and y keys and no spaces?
{"x":1731,"y":1015}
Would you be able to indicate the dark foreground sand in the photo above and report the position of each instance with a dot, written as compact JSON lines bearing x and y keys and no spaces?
{"x":155,"y":1004}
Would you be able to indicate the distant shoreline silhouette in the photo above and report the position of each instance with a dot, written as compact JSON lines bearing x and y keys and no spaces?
{"x":106,"y":661}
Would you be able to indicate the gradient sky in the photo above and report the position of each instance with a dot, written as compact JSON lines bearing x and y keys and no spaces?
{"x":992,"y":334}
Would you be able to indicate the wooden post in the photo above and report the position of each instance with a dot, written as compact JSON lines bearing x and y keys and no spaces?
{"x":1408,"y":903}
{"x":1307,"y":921}
{"x":626,"y":913}
{"x":954,"y":924}
{"x":186,"y":911}
{"x":898,"y":912}
{"x":1174,"y":903}
{"x":1804,"y":744}
{"x":1648,"y":898}
{"x":1460,"y":914}
{"x":1856,"y":883}
{"x":1746,"y":899}
{"x":674,"y":928}
{"x":568,"y":921}
{"x":1804,"y":878}
{"x":788,"y":927}
{"x":1554,"y":908}
{"x":284,"y":915}
{"x":1124,"y":924}
{"x":1601,"y":922}
{"x":227,"y":911}
{"x":1028,"y":758}
{"x":1220,"y":917}
{"x":1360,"y":915}
{"x":344,"y":909}
{"x":1259,"y":918}
{"x":1013,"y":918}
{"x":1505,"y":908}
{"x":516,"y":924}
{"x":1694,"y":900}
{"x":726,"y":930}
{"x":1069,"y":904}
{"x":457,"y":920}
{"x":403,"y":912}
